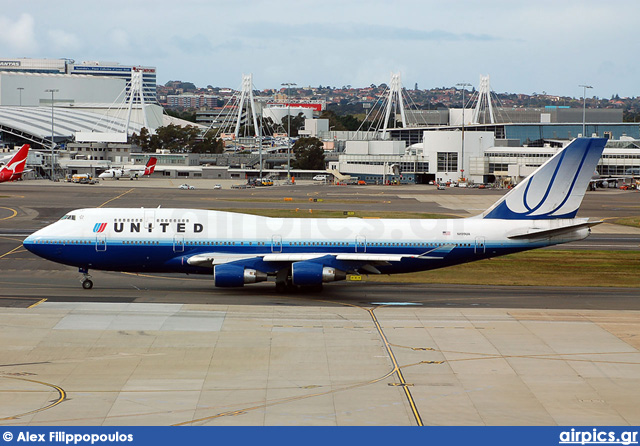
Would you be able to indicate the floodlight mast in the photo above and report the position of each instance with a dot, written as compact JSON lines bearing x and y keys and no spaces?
{"x":288,"y":85}
{"x":584,"y":107}
{"x":53,"y":144}
{"x":463,"y":85}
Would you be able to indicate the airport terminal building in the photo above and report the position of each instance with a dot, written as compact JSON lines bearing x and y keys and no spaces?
{"x":441,"y":156}
{"x":90,"y":68}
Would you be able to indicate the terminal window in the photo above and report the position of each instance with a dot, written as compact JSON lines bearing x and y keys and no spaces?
{"x":447,"y":161}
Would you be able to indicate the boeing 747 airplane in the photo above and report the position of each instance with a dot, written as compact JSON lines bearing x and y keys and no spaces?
{"x":239,"y":249}
{"x":14,"y":168}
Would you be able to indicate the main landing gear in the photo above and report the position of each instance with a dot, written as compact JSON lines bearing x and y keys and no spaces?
{"x":86,"y":281}
{"x":284,"y":284}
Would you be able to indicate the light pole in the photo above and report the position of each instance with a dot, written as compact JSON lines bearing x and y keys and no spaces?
{"x":53,"y":144}
{"x":584,"y":107}
{"x":20,"y":92}
{"x":288,"y":85}
{"x":463,"y":85}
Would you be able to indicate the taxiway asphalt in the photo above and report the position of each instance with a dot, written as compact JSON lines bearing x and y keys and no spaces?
{"x":173,"y":350}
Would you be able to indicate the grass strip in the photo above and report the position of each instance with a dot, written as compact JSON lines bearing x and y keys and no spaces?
{"x":535,"y":268}
{"x":569,"y":268}
{"x":628,"y":221}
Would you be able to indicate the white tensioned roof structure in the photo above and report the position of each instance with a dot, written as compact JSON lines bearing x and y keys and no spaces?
{"x":34,"y":123}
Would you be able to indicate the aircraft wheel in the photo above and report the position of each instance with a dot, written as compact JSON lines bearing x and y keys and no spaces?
{"x":87,"y":284}
{"x":281,"y":287}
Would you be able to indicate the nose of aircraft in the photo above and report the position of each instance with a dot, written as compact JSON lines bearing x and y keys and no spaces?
{"x":30,"y":243}
{"x":40,"y":244}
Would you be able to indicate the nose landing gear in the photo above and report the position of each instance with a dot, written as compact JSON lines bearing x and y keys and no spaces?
{"x":86,"y":281}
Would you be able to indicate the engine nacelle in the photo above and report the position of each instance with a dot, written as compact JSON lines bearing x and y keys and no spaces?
{"x":236,"y":276}
{"x":310,"y":274}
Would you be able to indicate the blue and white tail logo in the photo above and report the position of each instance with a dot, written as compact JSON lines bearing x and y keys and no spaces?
{"x":555,"y":189}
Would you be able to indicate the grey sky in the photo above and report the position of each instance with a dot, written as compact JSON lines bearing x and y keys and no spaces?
{"x":525,"y":47}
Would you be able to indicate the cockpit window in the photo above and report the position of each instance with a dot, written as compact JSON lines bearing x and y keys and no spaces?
{"x":68,"y":217}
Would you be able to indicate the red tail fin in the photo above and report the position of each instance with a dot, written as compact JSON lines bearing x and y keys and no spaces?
{"x":151,"y":165}
{"x":15,"y":167}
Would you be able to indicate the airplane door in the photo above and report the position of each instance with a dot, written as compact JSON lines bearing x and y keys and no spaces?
{"x":480,"y":247}
{"x":361,"y":243}
{"x":149,"y":219}
{"x":276,"y":243}
{"x":101,"y":243}
{"x":178,"y":243}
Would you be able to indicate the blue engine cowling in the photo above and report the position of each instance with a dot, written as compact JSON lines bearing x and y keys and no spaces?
{"x":310,"y":274}
{"x":236,"y":276}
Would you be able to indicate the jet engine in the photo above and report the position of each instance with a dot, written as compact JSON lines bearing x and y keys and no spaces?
{"x":236,"y":276}
{"x":310,"y":274}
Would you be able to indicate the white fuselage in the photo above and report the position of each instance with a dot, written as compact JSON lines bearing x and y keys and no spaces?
{"x":165,"y":239}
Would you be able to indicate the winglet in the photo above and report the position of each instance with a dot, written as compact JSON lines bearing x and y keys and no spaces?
{"x":556,"y":189}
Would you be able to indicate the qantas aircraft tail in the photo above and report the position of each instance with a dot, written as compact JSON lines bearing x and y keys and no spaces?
{"x":14,"y":169}
{"x":151,"y":165}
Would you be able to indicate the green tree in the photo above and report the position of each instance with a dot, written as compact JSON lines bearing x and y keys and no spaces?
{"x":309,"y":154}
{"x":350,"y":122}
{"x":334,"y":120}
{"x":297,"y":122}
{"x":142,"y":140}
{"x":208,"y":144}
{"x":186,"y":115}
{"x":175,"y":138}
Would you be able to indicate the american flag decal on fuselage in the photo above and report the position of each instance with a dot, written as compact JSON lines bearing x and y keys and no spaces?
{"x":99,"y":227}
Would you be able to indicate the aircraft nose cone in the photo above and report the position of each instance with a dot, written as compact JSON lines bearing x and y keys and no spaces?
{"x":30,"y":243}
{"x":35,"y":242}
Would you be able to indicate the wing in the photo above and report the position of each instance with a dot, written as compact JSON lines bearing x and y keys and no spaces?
{"x":353,"y":262}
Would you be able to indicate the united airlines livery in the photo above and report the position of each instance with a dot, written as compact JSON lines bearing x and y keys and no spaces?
{"x":239,"y":249}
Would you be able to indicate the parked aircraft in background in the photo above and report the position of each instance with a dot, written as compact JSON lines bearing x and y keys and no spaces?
{"x":239,"y":249}
{"x":629,"y":179}
{"x":14,"y":168}
{"x":130,"y":173}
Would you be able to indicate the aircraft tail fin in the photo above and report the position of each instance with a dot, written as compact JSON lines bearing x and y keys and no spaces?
{"x":556,"y":189}
{"x":151,"y":165}
{"x":15,"y":166}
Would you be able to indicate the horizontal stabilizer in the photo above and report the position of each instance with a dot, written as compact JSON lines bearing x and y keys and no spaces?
{"x":537,"y":233}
